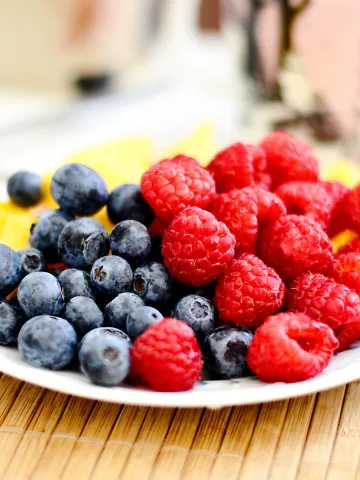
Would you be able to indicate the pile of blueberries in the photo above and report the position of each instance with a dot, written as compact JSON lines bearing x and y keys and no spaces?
{"x":113,"y":287}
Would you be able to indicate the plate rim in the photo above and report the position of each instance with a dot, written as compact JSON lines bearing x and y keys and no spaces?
{"x":191,"y":399}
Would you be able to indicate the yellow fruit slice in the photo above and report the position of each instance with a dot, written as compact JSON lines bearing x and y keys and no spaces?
{"x":15,"y":223}
{"x":200,"y":145}
{"x":342,"y":239}
{"x":344,"y":171}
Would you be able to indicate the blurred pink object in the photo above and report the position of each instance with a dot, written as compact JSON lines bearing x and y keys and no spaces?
{"x":268,"y":41}
{"x":327,"y":37}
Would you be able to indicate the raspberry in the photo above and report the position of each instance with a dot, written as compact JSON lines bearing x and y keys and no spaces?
{"x":353,"y":246}
{"x":294,"y":245}
{"x":337,"y":192}
{"x":290,"y":347}
{"x":347,"y":335}
{"x":248,"y":292}
{"x":289,"y":159}
{"x":239,"y":212}
{"x":182,"y":160}
{"x":196,"y":247}
{"x":157,"y":228}
{"x":238,"y":166}
{"x":270,"y":206}
{"x":306,"y":198}
{"x":324,"y":300}
{"x":172,"y":185}
{"x":349,"y":209}
{"x":346,"y":270}
{"x":167,"y":357}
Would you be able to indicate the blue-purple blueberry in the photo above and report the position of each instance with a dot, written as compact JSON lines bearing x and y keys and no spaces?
{"x":39,"y":293}
{"x":44,"y":235}
{"x":130,"y":240}
{"x":78,"y":189}
{"x":32,"y":260}
{"x":75,"y":283}
{"x":153,"y":284}
{"x":11,"y":320}
{"x":25,"y":188}
{"x":47,"y":341}
{"x":127,"y":203}
{"x":198,"y":312}
{"x":117,"y":310}
{"x":224,"y":352}
{"x":110,"y":276}
{"x":10,"y":270}
{"x":141,"y":318}
{"x":82,"y":242}
{"x":84,"y":315}
{"x":104,"y":358}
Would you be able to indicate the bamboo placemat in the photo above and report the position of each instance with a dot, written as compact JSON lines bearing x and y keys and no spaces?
{"x":46,"y":435}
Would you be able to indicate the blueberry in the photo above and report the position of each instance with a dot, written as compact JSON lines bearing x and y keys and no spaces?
{"x":82,"y":242}
{"x":131,"y":240}
{"x":25,"y":188}
{"x":10,"y":270}
{"x":118,"y":309}
{"x":225,"y":351}
{"x":127,"y":203}
{"x":78,"y":189}
{"x":11,"y":320}
{"x":110,"y":276}
{"x":39,"y":293}
{"x":44,"y":235}
{"x":32,"y":260}
{"x":198,"y":313}
{"x":153,"y":284}
{"x":155,"y":254}
{"x":104,"y":331}
{"x":105,"y":358}
{"x":47,"y":341}
{"x":75,"y":283}
{"x":141,"y":318}
{"x":84,"y":315}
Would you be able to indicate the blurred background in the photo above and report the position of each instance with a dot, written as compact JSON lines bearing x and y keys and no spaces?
{"x":79,"y":71}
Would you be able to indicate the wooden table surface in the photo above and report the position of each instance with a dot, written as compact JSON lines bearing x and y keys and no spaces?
{"x":46,"y":435}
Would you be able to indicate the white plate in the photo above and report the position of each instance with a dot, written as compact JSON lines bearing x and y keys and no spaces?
{"x":344,"y":368}
{"x":42,"y":146}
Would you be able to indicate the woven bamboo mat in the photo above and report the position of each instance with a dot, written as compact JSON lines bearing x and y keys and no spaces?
{"x":45,"y":435}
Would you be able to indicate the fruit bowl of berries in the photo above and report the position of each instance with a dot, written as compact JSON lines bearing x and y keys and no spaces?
{"x":200,"y":286}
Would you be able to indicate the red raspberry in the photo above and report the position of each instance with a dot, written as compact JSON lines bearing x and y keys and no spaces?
{"x":290,"y":347}
{"x":167,"y":357}
{"x":337,"y":192}
{"x":270,"y":206}
{"x":294,"y":245}
{"x":347,"y":335}
{"x":346,"y":270}
{"x":289,"y":159}
{"x":353,"y":246}
{"x":248,"y":292}
{"x":239,"y":212}
{"x":196,"y":247}
{"x":324,"y":300}
{"x":238,"y":166}
{"x":170,"y":186}
{"x":182,"y":160}
{"x":157,"y":228}
{"x":306,"y":198}
{"x":349,"y":210}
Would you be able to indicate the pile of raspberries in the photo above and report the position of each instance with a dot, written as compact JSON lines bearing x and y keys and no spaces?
{"x":258,"y":222}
